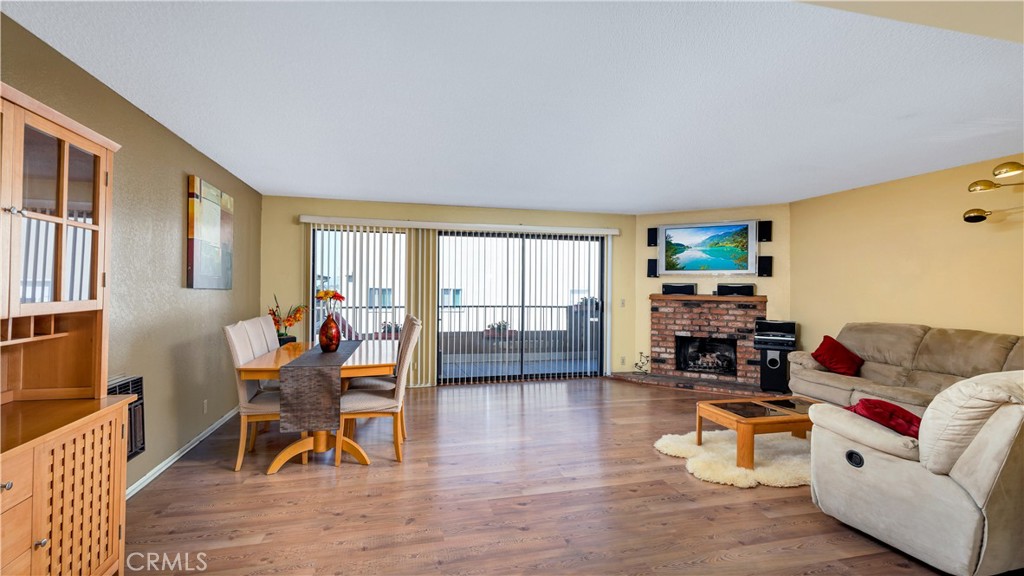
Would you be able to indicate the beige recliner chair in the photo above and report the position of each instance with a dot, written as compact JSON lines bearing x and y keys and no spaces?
{"x":954,"y":498}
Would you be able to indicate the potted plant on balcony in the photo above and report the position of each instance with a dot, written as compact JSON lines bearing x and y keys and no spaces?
{"x":389,"y":330}
{"x":586,"y":304}
{"x":498,"y":329}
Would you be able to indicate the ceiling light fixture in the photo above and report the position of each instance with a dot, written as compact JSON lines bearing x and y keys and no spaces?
{"x":1004,"y":170}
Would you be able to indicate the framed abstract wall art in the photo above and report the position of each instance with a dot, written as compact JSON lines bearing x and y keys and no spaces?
{"x":210,"y":236}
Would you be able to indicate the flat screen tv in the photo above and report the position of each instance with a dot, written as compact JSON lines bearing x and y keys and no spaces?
{"x":709,"y":248}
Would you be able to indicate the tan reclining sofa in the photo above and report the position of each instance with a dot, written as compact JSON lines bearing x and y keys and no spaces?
{"x":906,"y":364}
{"x":954,"y":498}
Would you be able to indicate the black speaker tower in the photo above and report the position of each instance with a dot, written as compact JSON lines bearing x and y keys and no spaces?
{"x":775,"y":371}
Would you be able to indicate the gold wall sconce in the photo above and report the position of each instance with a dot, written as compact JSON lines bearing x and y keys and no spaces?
{"x":975,"y":215}
{"x":1004,"y":170}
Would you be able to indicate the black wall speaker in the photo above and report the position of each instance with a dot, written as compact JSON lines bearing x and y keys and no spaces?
{"x":775,"y":371}
{"x":736,"y":289}
{"x":764,"y":266}
{"x":764,"y":231}
{"x":652,"y":236}
{"x":652,"y":268}
{"x":687,"y":289}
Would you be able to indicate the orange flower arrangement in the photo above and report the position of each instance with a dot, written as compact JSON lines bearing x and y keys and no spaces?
{"x":331,"y":299}
{"x":283,"y":322}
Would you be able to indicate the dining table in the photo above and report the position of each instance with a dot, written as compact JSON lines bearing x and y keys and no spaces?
{"x":371,"y":358}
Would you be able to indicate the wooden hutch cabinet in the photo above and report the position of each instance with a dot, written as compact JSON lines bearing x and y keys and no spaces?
{"x":62,"y":443}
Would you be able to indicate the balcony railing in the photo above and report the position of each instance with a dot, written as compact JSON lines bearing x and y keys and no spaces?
{"x":487,"y":342}
{"x":495,"y":342}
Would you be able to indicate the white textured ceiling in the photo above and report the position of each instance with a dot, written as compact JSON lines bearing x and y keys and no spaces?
{"x":598,"y":107}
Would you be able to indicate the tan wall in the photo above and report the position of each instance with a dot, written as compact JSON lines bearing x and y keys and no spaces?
{"x":284,"y":241}
{"x":160,"y":330}
{"x":776,"y":288}
{"x":900,"y":252}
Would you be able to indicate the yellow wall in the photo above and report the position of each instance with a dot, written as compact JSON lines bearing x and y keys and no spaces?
{"x":776,"y":288}
{"x":284,"y":242}
{"x":159,"y":329}
{"x":900,"y":252}
{"x":999,"y":19}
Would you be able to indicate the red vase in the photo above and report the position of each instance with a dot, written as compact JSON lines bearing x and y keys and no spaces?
{"x":330,"y":334}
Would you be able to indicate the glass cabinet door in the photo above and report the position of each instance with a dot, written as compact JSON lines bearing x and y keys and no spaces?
{"x":57,"y":211}
{"x":6,"y":170}
{"x":79,"y":236}
{"x":40,"y":197}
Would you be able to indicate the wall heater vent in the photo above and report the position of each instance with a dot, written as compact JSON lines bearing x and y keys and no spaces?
{"x":136,"y":415}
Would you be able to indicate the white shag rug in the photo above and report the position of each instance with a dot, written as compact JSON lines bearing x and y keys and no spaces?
{"x":779,"y":459}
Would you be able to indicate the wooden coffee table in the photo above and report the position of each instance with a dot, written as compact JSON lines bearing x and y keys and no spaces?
{"x":751,"y":416}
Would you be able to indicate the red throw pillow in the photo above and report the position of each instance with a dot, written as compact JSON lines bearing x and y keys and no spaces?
{"x":889,"y":415}
{"x":837,"y":358}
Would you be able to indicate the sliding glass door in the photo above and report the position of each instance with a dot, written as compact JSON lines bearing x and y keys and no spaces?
{"x":518,"y":306}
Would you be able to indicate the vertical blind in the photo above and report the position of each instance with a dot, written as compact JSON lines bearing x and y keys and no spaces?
{"x":518,"y":306}
{"x":496,"y":306}
{"x":39,"y":239}
{"x":379,"y":271}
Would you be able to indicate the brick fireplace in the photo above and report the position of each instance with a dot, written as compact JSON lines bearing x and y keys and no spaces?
{"x":706,"y":338}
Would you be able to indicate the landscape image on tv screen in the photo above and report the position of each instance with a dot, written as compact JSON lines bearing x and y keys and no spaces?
{"x":707,"y":248}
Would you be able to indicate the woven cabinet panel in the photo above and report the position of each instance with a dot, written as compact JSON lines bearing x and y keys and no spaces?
{"x":80,"y":479}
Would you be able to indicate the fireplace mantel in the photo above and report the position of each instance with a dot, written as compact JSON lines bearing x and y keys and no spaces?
{"x":708,"y":298}
{"x":706,"y":316}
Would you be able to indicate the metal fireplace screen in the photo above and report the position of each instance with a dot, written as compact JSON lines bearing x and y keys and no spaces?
{"x":713,"y":355}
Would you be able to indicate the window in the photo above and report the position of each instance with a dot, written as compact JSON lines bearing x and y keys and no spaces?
{"x":451,"y":297}
{"x":368,"y":267}
{"x":378,"y":298}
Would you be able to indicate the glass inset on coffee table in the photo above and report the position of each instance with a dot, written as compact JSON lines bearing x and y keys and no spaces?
{"x":749,"y":417}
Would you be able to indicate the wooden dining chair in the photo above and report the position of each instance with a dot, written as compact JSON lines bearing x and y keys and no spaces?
{"x":254,"y":404}
{"x":263,"y":339}
{"x":269,"y":332}
{"x":386,"y":383}
{"x":382,"y":403}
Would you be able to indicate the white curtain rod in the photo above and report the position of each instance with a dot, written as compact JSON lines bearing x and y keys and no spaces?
{"x":459,"y":226}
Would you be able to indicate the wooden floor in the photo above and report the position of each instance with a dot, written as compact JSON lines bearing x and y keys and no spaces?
{"x":535,"y":478}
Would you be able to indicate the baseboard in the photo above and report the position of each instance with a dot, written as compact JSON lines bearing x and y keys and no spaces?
{"x":159,"y":469}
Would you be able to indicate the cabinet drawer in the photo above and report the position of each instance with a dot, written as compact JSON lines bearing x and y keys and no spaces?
{"x":16,"y":531}
{"x":17,"y":471}
{"x":20,"y":565}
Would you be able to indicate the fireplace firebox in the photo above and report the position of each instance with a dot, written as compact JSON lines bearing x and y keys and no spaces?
{"x":717,"y":318}
{"x":711,"y":355}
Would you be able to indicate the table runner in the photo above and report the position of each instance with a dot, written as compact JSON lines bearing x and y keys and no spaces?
{"x":311,"y":389}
